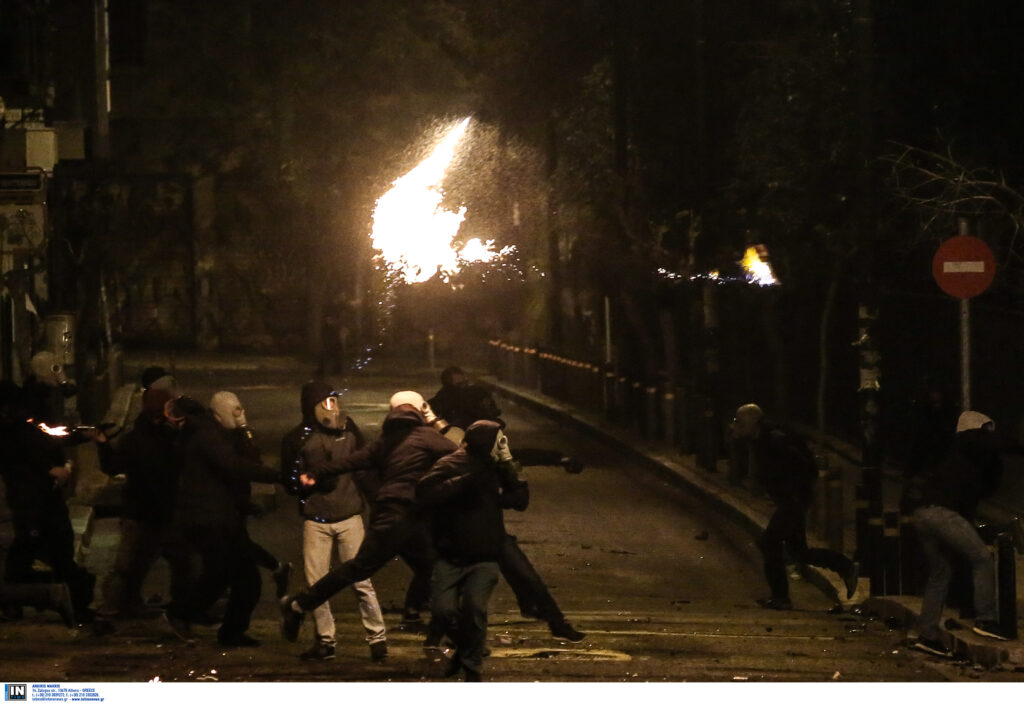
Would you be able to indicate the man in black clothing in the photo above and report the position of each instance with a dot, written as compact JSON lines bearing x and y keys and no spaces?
{"x":210,"y":514}
{"x":465,"y":493}
{"x":35,"y":472}
{"x":150,"y":460}
{"x":787,"y":470}
{"x":32,"y":467}
{"x":461,"y":403}
{"x":943,"y":521}
{"x":407,"y":448}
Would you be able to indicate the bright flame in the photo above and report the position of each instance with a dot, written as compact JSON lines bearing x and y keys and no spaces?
{"x":412,"y":230}
{"x":755,"y":263}
{"x":53,"y":431}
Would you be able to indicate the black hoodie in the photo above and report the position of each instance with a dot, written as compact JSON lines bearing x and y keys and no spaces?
{"x":465,"y":493}
{"x":405,"y":451}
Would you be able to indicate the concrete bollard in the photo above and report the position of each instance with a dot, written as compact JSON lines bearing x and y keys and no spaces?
{"x":860,"y":517}
{"x":876,"y":564}
{"x":651,"y":413}
{"x":684,"y":417}
{"x":1006,"y":585}
{"x":834,"y":522}
{"x":668,"y":412}
{"x":608,"y":392}
{"x":891,"y":552}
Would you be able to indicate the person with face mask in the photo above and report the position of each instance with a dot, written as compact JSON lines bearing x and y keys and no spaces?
{"x":228,"y":411}
{"x":332,"y":512}
{"x":943,"y":522}
{"x":787,"y":469}
{"x":465,"y":493}
{"x":35,"y":473}
{"x":46,"y":388}
{"x":461,"y":403}
{"x":210,"y":513}
{"x":408,"y":446}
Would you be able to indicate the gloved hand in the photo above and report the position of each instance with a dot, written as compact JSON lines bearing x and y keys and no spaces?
{"x":571,"y":466}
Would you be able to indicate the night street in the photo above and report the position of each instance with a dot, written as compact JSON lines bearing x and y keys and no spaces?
{"x":757,"y":264}
{"x":663,"y":587}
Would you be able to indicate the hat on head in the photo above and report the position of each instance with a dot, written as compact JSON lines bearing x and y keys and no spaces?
{"x":153,"y":402}
{"x":408,"y":398}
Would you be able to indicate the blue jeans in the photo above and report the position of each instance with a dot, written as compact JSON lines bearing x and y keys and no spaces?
{"x":944,"y":534}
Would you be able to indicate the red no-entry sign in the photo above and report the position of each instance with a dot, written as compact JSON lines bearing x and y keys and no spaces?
{"x":964,"y":266}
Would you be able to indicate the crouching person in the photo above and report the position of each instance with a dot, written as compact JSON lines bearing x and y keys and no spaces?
{"x":464,"y":494}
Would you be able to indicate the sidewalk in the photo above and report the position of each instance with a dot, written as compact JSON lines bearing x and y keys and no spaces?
{"x":754,"y":512}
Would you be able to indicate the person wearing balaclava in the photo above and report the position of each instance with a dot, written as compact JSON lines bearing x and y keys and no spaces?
{"x":464,"y":494}
{"x":211,"y":512}
{"x":943,"y":519}
{"x":228,"y":411}
{"x":150,"y":461}
{"x":407,"y":448}
{"x":787,"y":469}
{"x":332,"y":512}
{"x":35,"y":473}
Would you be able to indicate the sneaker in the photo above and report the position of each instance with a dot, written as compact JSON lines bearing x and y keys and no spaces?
{"x":564,"y":631}
{"x":987,"y":628}
{"x":378,"y":651}
{"x":851,"y":580}
{"x":933,"y":647}
{"x":179,"y":627}
{"x":291,"y":621}
{"x":237,"y":639}
{"x":281,"y":575}
{"x":320,"y":651}
{"x":775,"y":603}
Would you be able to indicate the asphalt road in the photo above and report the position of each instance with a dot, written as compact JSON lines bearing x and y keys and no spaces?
{"x":663,"y":585}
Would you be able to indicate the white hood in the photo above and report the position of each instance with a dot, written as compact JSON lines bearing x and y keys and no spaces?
{"x":970,"y":420}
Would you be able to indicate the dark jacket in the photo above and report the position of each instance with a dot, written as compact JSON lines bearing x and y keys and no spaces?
{"x":461,"y":406}
{"x":150,"y":458}
{"x":970,"y":472}
{"x":26,"y":458}
{"x":405,"y":451}
{"x":214,"y":485}
{"x":785,"y":466}
{"x":308,"y":444}
{"x":464,"y":494}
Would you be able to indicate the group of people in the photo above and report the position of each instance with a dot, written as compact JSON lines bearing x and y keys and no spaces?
{"x":957,"y":464}
{"x":186,"y":497}
{"x":436,"y":504}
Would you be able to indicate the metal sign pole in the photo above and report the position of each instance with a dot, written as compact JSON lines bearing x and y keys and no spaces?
{"x":965,"y":354}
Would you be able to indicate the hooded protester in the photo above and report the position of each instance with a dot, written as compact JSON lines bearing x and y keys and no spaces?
{"x":149,"y":458}
{"x":407,"y":448}
{"x":35,"y":472}
{"x":211,"y":511}
{"x":332,"y":512}
{"x":948,"y":503}
{"x":787,"y":469}
{"x":228,"y":411}
{"x":461,"y":403}
{"x":465,"y":493}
